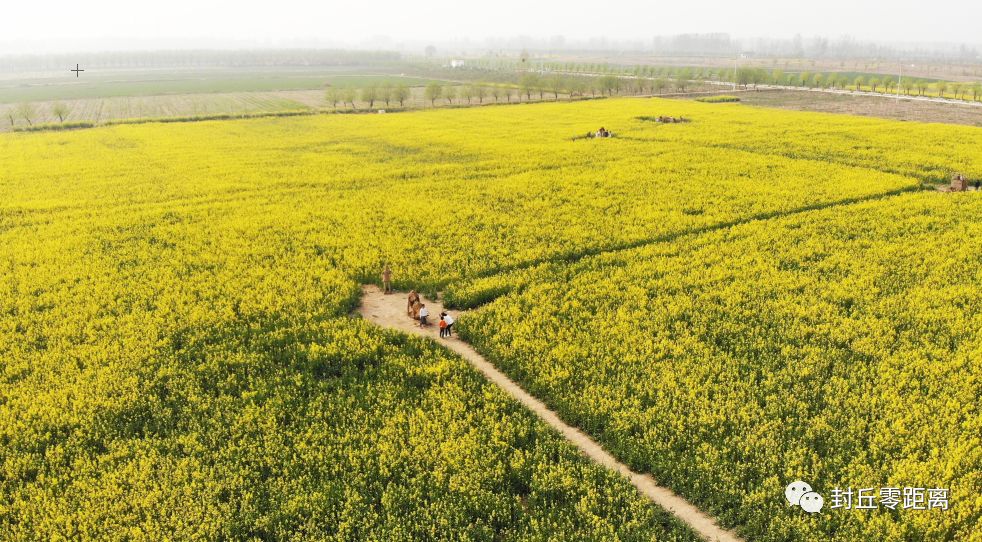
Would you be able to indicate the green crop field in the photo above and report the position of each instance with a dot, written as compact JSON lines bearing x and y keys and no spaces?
{"x":135,"y":83}
{"x":100,"y":97}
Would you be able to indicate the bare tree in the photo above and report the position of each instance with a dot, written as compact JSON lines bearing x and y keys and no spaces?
{"x":480,"y":92}
{"x":369,"y":94}
{"x":592,"y":86}
{"x":27,"y":112}
{"x":957,"y":89}
{"x":495,"y":93}
{"x":450,"y":92}
{"x":350,"y":95}
{"x":556,"y":85}
{"x":61,"y":111}
{"x":778,"y":77}
{"x":683,"y":79}
{"x":433,"y":92}
{"x":609,"y":84}
{"x":385,"y":93}
{"x":922,"y":86}
{"x":575,"y":87}
{"x":11,"y":115}
{"x":744,"y":76}
{"x":660,"y":85}
{"x":907,"y":85}
{"x":332,"y":96}
{"x":528,"y":83}
{"x":400,"y":93}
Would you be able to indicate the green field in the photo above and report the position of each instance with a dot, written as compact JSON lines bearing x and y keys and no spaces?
{"x":134,"y":83}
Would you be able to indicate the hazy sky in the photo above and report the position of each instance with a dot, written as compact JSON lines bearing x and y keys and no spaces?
{"x":61,"y":25}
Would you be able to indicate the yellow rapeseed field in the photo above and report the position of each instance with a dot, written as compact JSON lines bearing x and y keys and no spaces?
{"x":726,"y":303}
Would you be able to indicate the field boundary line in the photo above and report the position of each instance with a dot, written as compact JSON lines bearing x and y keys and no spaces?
{"x":389,"y":311}
{"x":575,"y":256}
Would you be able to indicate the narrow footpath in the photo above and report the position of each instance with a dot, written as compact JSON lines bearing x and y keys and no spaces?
{"x":389,"y":311}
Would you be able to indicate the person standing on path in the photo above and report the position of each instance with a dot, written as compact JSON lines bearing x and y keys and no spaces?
{"x":449,"y":320}
{"x":387,"y":279}
{"x":423,"y":313}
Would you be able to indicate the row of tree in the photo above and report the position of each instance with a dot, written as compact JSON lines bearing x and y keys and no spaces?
{"x":350,"y":97}
{"x":371,"y":94}
{"x":574,"y":68}
{"x":528,"y":87}
{"x":873,"y":83}
{"x":680,"y":77}
{"x":29,"y":113}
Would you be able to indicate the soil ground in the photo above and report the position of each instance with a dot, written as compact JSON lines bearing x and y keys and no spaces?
{"x":868,"y":106}
{"x":951,"y":71}
{"x":100,"y":110}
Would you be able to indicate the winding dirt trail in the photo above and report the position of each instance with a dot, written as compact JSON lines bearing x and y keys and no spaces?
{"x":390,"y":311}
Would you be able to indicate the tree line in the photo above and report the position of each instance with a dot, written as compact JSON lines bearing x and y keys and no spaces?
{"x":862,"y":82}
{"x":387,"y":94}
{"x":29,"y":112}
{"x":612,"y":78}
{"x":526,"y":87}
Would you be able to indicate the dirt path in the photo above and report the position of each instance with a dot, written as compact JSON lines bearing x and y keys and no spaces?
{"x":390,"y":311}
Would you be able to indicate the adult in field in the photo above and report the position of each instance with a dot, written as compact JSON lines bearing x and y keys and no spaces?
{"x":387,"y":279}
{"x":449,"y":320}
{"x":413,"y":300}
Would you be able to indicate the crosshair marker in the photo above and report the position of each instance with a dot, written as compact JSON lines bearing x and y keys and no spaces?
{"x":77,"y":70}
